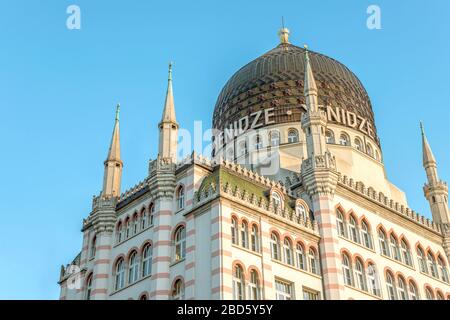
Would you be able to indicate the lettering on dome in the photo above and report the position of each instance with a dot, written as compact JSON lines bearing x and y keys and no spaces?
{"x":350,"y":119}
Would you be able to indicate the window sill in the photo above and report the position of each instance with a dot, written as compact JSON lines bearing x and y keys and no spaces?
{"x":364,"y":292}
{"x":176,"y":262}
{"x":434,"y":278}
{"x":297,"y":269}
{"x":246,"y":250}
{"x":130,"y":285}
{"x":134,"y":235}
{"x":357,"y":244}
{"x":399,"y":262}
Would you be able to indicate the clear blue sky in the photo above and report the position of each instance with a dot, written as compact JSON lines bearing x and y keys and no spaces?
{"x":58,"y":90}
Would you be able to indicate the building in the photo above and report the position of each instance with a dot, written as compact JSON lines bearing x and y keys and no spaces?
{"x":294,"y":203}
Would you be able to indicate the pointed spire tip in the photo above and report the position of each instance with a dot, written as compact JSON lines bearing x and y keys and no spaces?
{"x":117,"y":111}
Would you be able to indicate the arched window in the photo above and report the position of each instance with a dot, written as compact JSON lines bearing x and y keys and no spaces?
{"x":439,"y":296}
{"x":180,"y":243}
{"x":432,"y":264}
{"x":373,"y":283}
{"x":344,"y":139}
{"x":402,"y":290}
{"x":275,"y":246}
{"x":255,"y":238}
{"x":147,"y":260}
{"x":443,"y":269}
{"x":413,"y":292}
{"x":406,"y":253}
{"x":429,"y":293}
{"x":151,"y":214}
{"x":365,"y":235}
{"x":292,"y":135}
{"x":133,"y":267}
{"x":360,"y":275}
{"x":135,"y":224}
{"x":313,"y":263}
{"x":238,"y":283}
{"x":127,"y":228}
{"x":329,"y":136}
{"x":347,"y":270}
{"x":340,"y":223}
{"x":300,"y":211}
{"x":274,"y":138}
{"x":119,"y":233}
{"x":383,"y":243}
{"x":353,"y":231}
{"x":287,"y":247}
{"x":178,"y":290}
{"x":244,"y":234}
{"x":300,"y":253}
{"x":253,"y":286}
{"x":143,"y":219}
{"x":421,"y":260}
{"x":180,"y":197}
{"x":276,"y":200}
{"x":358,"y":145}
{"x":369,"y":149}
{"x":258,"y":142}
{"x":88,"y":288}
{"x":242,"y":148}
{"x":377,"y":155}
{"x":394,"y":248}
{"x":234,"y":231}
{"x":120,"y":275}
{"x":93,"y":247}
{"x":143,"y":297}
{"x":390,"y":286}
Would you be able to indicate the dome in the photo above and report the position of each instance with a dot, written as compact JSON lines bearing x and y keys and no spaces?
{"x":275,"y":80}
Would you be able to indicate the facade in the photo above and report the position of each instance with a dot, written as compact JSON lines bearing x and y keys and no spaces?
{"x":294,"y":202}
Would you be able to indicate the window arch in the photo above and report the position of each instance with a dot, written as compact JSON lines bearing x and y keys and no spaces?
{"x":255,"y":238}
{"x":421,"y":260}
{"x":402,"y":289}
{"x":287,"y":248}
{"x":432,"y":264}
{"x":383,"y":243}
{"x":244,"y":234}
{"x":292,"y":135}
{"x":254,"y":292}
{"x":89,"y":287}
{"x":127,"y":228}
{"x":93,"y":247}
{"x":347,"y":270}
{"x":143,"y":297}
{"x":276,"y":199}
{"x":443,"y":270}
{"x":120,"y":274}
{"x":413,"y":292}
{"x":300,"y":253}
{"x":329,"y":136}
{"x":180,"y":243}
{"x":366,"y":236}
{"x":395,"y":251}
{"x":360,"y":275}
{"x":180,"y":197}
{"x":344,"y":140}
{"x":234,"y":230}
{"x":147,"y":260}
{"x":178,"y":290}
{"x":313,"y":262}
{"x":238,"y":283}
{"x":133,"y":267}
{"x":300,"y":211}
{"x":151,"y":214}
{"x":359,"y":145}
{"x":119,"y":233}
{"x":429,"y":293}
{"x":340,"y":221}
{"x":274,"y":138}
{"x":439,"y":295}
{"x":353,"y":229}
{"x":135,"y":224}
{"x":390,"y":285}
{"x":406,"y":253}
{"x":373,"y":283}
{"x":369,"y":149}
{"x":143,"y":219}
{"x":275,"y":246}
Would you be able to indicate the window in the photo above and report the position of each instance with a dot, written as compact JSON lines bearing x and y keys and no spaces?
{"x":372,"y":276}
{"x":143,"y":219}
{"x":133,"y":268}
{"x":147,"y":260}
{"x":394,"y":248}
{"x":255,"y":238}
{"x":287,"y":247}
{"x":119,"y":233}
{"x":88,"y":288}
{"x":244,"y":234}
{"x":234,"y":231}
{"x":243,"y":148}
{"x":432,"y":264}
{"x":347,"y":270}
{"x":383,"y":243}
{"x":360,"y":275}
{"x":274,"y":138}
{"x":413,"y":292}
{"x":358,"y":145}
{"x":120,"y":275}
{"x":238,"y":283}
{"x":143,"y":297}
{"x":439,"y":296}
{"x":151,"y":214}
{"x":127,"y":228}
{"x":292,"y":135}
{"x":313,"y":261}
{"x":180,"y":198}
{"x":93,"y":247}
{"x":344,"y":139}
{"x":406,"y":253}
{"x":390,"y":286}
{"x":402,"y":290}
{"x":284,"y":290}
{"x":365,"y":235}
{"x":329,"y":136}
{"x":421,"y":260}
{"x":429,"y":293}
{"x":353,"y":230}
{"x":443,"y":270}
{"x":369,"y":150}
{"x":275,"y":246}
{"x":253,"y":286}
{"x":300,"y":211}
{"x":135,"y":224}
{"x":300,"y":253}
{"x":178,"y":290}
{"x":340,"y":223}
{"x":276,"y":200}
{"x":309,"y":294}
{"x":180,"y":243}
{"x":258,"y":142}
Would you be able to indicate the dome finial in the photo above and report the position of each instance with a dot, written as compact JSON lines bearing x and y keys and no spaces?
{"x":283,"y":33}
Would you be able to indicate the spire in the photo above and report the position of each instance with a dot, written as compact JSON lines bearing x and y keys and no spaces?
{"x":169,"y":106}
{"x":114,"y":147}
{"x":428,"y":157}
{"x":310,"y":88}
{"x":283,"y":33}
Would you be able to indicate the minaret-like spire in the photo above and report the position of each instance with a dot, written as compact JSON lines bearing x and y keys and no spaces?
{"x":310,"y":87}
{"x":436,"y":191}
{"x":168,"y":127}
{"x":113,"y":164}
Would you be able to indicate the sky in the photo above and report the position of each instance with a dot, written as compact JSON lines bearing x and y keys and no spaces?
{"x":59,"y":88}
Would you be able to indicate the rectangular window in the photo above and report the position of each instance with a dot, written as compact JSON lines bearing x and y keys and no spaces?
{"x":284,"y":290}
{"x":309,"y":294}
